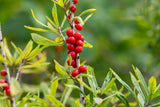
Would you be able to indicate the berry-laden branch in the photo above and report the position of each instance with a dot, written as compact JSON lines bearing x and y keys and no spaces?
{"x":5,"y":73}
{"x":74,"y":45}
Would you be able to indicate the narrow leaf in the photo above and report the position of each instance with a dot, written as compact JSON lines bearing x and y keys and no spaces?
{"x":106,"y":80}
{"x":87,"y":18}
{"x":87,"y":11}
{"x":54,"y":86}
{"x":151,"y":87}
{"x":54,"y":15}
{"x":60,"y":69}
{"x":86,"y":44}
{"x":37,"y":29}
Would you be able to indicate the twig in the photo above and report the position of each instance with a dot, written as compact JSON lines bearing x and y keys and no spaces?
{"x":20,"y":70}
{"x":60,"y":33}
{"x":8,"y":79}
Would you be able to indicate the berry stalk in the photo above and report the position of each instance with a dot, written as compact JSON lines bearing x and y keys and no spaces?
{"x":8,"y":79}
{"x":72,"y":2}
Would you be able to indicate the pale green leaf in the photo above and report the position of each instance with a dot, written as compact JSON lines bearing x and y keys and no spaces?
{"x":142,"y":81}
{"x":86,"y":44}
{"x":4,"y":60}
{"x":34,"y":65}
{"x":59,"y":2}
{"x":59,"y":40}
{"x":51,"y":22}
{"x":151,"y":87}
{"x":54,"y":101}
{"x":27,"y":49}
{"x":137,"y":87}
{"x":123,"y":98}
{"x":88,"y":17}
{"x":43,"y":41}
{"x":92,"y":80}
{"x":15,"y":87}
{"x":54,"y":86}
{"x":37,"y":20}
{"x":87,"y":11}
{"x":44,"y":89}
{"x":54,"y":15}
{"x":141,"y":100}
{"x":98,"y":100}
{"x":60,"y":69}
{"x":37,"y":29}
{"x":106,"y":80}
{"x":18,"y":50}
{"x":157,"y":91}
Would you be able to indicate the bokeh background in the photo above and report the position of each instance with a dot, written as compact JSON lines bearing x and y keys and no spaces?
{"x":123,"y":32}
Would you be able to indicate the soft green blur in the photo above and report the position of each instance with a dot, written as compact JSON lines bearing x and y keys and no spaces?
{"x":123,"y":32}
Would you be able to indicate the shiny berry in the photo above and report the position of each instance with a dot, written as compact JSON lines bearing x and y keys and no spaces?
{"x":3,"y":73}
{"x":6,"y":86}
{"x":2,"y":81}
{"x":72,"y":8}
{"x":8,"y":91}
{"x":72,"y":63}
{"x":75,"y":1}
{"x":75,"y":73}
{"x":82,"y":38}
{"x":73,"y":54}
{"x":78,"y":49}
{"x":77,"y":35}
{"x":82,"y":69}
{"x":70,"y":47}
{"x":69,"y":32}
{"x":79,"y":43}
{"x":76,"y":21}
{"x":79,"y":27}
{"x":71,"y":40}
{"x":69,"y":16}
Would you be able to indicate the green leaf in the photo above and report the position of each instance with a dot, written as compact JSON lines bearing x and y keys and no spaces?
{"x":85,"y":85}
{"x":157,"y":91}
{"x":92,"y":80}
{"x":37,"y":29}
{"x":60,"y":69}
{"x":151,"y":87}
{"x":4,"y":60}
{"x":60,"y":2}
{"x":7,"y":51}
{"x":109,"y":85}
{"x":98,"y":100}
{"x":54,"y":101}
{"x":37,"y":20}
{"x":63,"y":22}
{"x":87,"y":11}
{"x":75,"y":87}
{"x":84,"y":75}
{"x":79,"y":19}
{"x":34,"y":65}
{"x":15,"y":87}
{"x":88,"y":17}
{"x":141,"y":100}
{"x":123,"y":83}
{"x":106,"y":80}
{"x":86,"y":44}
{"x":43,"y":41}
{"x":136,"y":85}
{"x":51,"y":21}
{"x":54,"y":15}
{"x":59,"y":40}
{"x":54,"y":86}
{"x":35,"y":52}
{"x":123,"y":98}
{"x":18,"y":50}
{"x":27,"y":49}
{"x":142,"y":81}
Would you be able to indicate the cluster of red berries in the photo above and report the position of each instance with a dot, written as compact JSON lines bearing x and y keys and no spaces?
{"x":75,"y":43}
{"x":73,"y":8}
{"x":6,"y":87}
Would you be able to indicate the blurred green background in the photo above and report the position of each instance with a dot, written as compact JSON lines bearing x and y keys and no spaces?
{"x":123,"y":32}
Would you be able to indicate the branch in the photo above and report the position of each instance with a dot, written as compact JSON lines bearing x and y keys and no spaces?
{"x":19,"y":71}
{"x":8,"y":79}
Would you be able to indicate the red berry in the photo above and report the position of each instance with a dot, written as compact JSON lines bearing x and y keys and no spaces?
{"x":72,"y":8}
{"x":68,"y":51}
{"x":79,"y":43}
{"x":8,"y":91}
{"x":71,"y":40}
{"x":75,"y":73}
{"x":78,"y":49}
{"x":69,"y":16}
{"x":76,"y":21}
{"x":3,"y":73}
{"x":70,"y":47}
{"x":73,"y":54}
{"x":75,"y":1}
{"x":82,"y":69}
{"x":2,"y":81}
{"x":82,"y":38}
{"x":79,"y":27}
{"x":6,"y":86}
{"x":77,"y":35}
{"x":69,"y":32}
{"x":72,"y":63}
